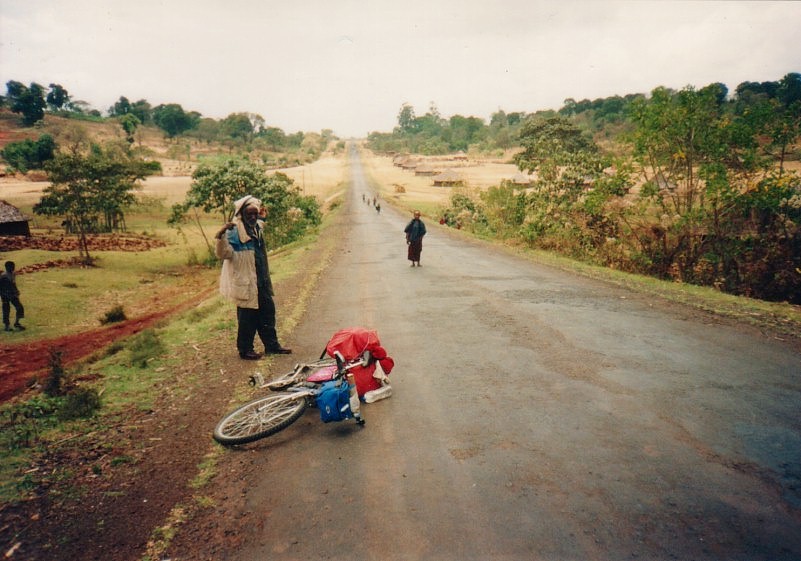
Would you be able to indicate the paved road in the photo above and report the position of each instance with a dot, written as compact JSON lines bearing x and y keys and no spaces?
{"x":536,"y":415}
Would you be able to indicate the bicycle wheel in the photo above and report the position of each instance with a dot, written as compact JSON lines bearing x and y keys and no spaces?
{"x":260,"y":418}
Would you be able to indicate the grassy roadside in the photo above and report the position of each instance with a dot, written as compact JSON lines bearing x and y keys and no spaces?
{"x":63,"y":300}
{"x":127,"y":372}
{"x":160,"y":373}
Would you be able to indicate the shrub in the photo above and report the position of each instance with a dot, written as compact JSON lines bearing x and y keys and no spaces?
{"x":114,"y":315}
{"x":21,"y":424}
{"x":55,"y":381}
{"x":79,"y":404}
{"x":27,"y":154}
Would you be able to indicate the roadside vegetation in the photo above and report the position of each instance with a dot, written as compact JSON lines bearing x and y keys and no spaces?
{"x":188,"y":133}
{"x":94,"y":167}
{"x":695,"y":186}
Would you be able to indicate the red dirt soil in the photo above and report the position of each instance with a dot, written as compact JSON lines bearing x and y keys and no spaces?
{"x":21,"y":364}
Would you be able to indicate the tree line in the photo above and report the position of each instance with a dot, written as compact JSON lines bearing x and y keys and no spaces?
{"x":93,"y":189}
{"x":92,"y":185}
{"x":237,"y":130}
{"x":694,"y":186}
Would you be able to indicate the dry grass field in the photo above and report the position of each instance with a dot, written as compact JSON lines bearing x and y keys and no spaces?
{"x":323,"y":179}
{"x":476,"y":173}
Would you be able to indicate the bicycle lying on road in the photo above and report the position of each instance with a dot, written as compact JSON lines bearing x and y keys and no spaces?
{"x":325,"y":383}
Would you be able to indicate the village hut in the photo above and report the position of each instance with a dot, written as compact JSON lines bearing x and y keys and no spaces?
{"x":400,"y":159}
{"x":12,"y":221}
{"x":448,"y":178}
{"x":426,"y":170}
{"x":410,"y":164}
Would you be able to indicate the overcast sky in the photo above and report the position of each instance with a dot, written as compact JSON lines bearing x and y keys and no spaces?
{"x":349,"y":65}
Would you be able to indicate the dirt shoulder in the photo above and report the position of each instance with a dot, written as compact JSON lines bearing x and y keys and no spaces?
{"x":109,"y":492}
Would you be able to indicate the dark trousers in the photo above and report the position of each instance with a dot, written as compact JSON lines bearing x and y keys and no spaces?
{"x":261,"y":321}
{"x":9,"y":301}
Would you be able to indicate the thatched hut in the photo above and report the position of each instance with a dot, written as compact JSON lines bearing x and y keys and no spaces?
{"x":448,"y":178}
{"x":410,"y":164}
{"x":12,"y":221}
{"x":426,"y":169}
{"x":400,"y":159}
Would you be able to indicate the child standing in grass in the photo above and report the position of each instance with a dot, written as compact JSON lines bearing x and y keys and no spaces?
{"x":9,"y":293}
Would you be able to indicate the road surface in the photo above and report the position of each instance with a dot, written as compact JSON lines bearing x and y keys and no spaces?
{"x":535,"y":415}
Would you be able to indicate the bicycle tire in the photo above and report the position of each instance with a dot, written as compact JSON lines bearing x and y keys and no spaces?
{"x":260,"y":418}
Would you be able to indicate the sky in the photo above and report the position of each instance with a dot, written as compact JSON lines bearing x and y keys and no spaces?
{"x":350,"y":65}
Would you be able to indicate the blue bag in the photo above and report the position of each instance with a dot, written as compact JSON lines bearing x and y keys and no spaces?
{"x":333,"y":401}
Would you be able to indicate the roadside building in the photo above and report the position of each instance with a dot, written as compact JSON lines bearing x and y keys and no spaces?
{"x":12,"y":221}
{"x":448,"y":178}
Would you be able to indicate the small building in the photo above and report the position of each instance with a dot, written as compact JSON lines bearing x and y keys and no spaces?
{"x":12,"y":221}
{"x":410,"y":164}
{"x":426,"y":169}
{"x":448,"y":178}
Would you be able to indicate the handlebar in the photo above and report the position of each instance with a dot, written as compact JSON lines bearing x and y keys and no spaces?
{"x":343,"y":366}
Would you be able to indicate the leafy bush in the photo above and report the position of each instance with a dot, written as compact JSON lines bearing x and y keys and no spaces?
{"x":114,"y":315}
{"x":22,"y":423}
{"x":27,"y":154}
{"x":79,"y":404}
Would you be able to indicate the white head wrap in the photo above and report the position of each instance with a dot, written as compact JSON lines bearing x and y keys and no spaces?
{"x":239,"y":206}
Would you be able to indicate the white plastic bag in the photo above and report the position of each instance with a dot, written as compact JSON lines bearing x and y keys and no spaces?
{"x":381,"y":393}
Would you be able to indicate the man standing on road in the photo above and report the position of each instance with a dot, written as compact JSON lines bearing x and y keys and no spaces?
{"x":415,"y":230}
{"x":245,"y":279}
{"x":9,"y":293}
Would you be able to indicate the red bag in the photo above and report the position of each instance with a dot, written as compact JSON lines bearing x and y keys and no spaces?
{"x":351,"y":343}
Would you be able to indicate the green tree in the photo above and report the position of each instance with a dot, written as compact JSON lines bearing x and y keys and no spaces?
{"x":88,"y":190}
{"x":121,"y":107}
{"x":678,"y":136}
{"x":57,"y":98}
{"x":27,"y":154}
{"x":406,"y":118}
{"x":237,"y":126}
{"x":465,"y":131}
{"x":29,"y":101}
{"x":566,"y":165}
{"x":716,"y":206}
{"x":217,"y":184}
{"x":273,"y":137}
{"x":143,"y":111}
{"x":173,"y":120}
{"x":129,"y":123}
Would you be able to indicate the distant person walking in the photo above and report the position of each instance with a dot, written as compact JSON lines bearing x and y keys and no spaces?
{"x":415,"y":230}
{"x":9,"y":293}
{"x":245,"y":278}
